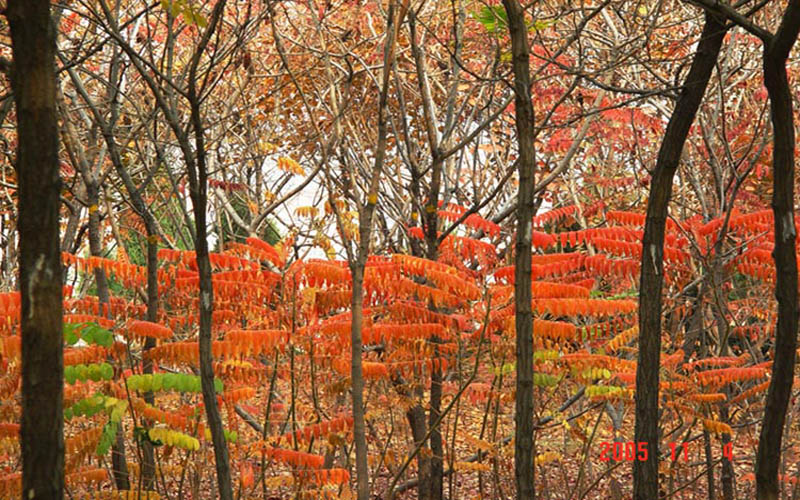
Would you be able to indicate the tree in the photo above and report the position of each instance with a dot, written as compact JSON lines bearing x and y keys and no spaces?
{"x":192,"y":147}
{"x":776,"y":52}
{"x":645,"y":476}
{"x":524,"y":415}
{"x":34,"y":85}
{"x":357,"y":260}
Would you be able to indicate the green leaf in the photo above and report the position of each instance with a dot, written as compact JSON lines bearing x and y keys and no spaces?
{"x":157,"y":383}
{"x":88,"y":407}
{"x":93,"y":373}
{"x":505,"y":369}
{"x":540,"y":25}
{"x":147,"y":382}
{"x":100,"y":335}
{"x":91,"y":333}
{"x":544,"y":380}
{"x":116,"y":414}
{"x":106,"y":438}
{"x":230,"y":436}
{"x":494,"y":19}
{"x":69,"y":375}
{"x":86,"y":334}
{"x":200,"y":20}
{"x":183,"y":384}
{"x":70,"y":335}
{"x":169,"y":381}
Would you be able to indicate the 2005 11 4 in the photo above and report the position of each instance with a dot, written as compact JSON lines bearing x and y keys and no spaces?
{"x":631,"y":451}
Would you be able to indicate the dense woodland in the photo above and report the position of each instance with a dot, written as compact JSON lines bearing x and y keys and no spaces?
{"x":398,"y":249}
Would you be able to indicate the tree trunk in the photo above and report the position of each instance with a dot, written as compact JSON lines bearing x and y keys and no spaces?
{"x":437,"y":446}
{"x":523,"y":419}
{"x":148,"y":458}
{"x":358,"y":263}
{"x":709,"y":465}
{"x":205,"y":340}
{"x":645,"y":473}
{"x":199,"y":193}
{"x":416,"y":420}
{"x":198,"y":190}
{"x":33,"y":82}
{"x":357,"y":377}
{"x":434,"y":475}
{"x":726,"y":478}
{"x":777,"y":83}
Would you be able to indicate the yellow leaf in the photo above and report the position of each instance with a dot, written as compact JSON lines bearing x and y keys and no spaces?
{"x":310,"y":212}
{"x":289,"y":165}
{"x":471,"y":466}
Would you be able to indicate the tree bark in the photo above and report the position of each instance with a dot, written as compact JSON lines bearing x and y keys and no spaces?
{"x":431,"y":468}
{"x":33,"y":80}
{"x":776,"y":51}
{"x":198,"y":191}
{"x":726,"y":478}
{"x":645,"y":473}
{"x":416,"y":420}
{"x":148,"y":459}
{"x":358,"y":263}
{"x":194,"y":156}
{"x":523,"y":419}
{"x":357,"y":377}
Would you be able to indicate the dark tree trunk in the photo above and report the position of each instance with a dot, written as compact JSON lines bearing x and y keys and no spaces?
{"x":710,"y":465}
{"x":435,"y":464}
{"x":148,"y":459}
{"x":416,"y":420}
{"x":523,"y":419}
{"x":645,"y":473}
{"x":726,"y":478}
{"x":71,"y":230}
{"x":205,"y":341}
{"x":434,"y":476}
{"x":776,"y":51}
{"x":437,"y":445}
{"x":198,"y":190}
{"x":33,"y":82}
